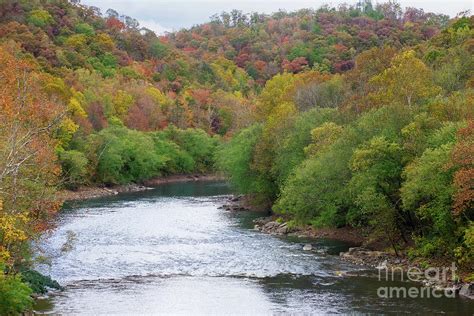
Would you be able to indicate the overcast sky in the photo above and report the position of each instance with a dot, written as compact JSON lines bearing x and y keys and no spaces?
{"x":169,"y":15}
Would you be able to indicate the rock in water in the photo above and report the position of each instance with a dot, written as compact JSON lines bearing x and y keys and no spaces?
{"x":467,"y":290}
{"x":307,"y":247}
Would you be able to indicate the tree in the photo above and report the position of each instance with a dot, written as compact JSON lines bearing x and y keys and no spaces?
{"x":28,"y":169}
{"x":407,"y":81}
{"x":28,"y":172}
{"x":14,"y":294}
{"x":463,"y":159}
{"x":376,"y":177}
{"x":84,"y":28}
{"x":158,"y":50}
{"x":74,"y":167}
{"x":292,"y":149}
{"x":427,"y":191}
{"x":197,"y":143}
{"x":278,"y":90}
{"x":327,"y":94}
{"x":122,"y":101}
{"x":322,"y":137}
{"x":40,"y":18}
{"x":125,"y":156}
{"x":235,"y":159}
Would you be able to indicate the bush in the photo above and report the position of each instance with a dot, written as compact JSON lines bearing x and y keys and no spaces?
{"x":14,"y":294}
{"x":39,"y":283}
{"x":427,"y":192}
{"x":179,"y":161}
{"x":125,"y":156}
{"x":235,"y":159}
{"x":74,"y":166}
{"x":40,"y":18}
{"x":197,"y":143}
{"x":84,"y":28}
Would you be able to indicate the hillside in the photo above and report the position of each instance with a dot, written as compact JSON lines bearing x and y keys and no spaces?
{"x":355,"y":116}
{"x":203,"y":77}
{"x":326,"y":39}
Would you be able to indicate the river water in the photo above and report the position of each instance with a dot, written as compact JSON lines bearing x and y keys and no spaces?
{"x":171,"y":250}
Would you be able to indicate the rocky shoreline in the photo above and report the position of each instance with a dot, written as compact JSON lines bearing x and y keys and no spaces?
{"x":273,"y":226}
{"x":389,"y":262}
{"x":359,"y":255}
{"x":86,"y":192}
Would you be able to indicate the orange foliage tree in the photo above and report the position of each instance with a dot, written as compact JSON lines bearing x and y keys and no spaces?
{"x":28,"y":169}
{"x":463,"y":156}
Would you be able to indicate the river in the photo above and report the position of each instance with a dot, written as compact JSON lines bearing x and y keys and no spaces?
{"x":172,"y":250}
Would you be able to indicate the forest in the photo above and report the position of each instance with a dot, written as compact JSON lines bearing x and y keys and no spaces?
{"x":357,"y":115}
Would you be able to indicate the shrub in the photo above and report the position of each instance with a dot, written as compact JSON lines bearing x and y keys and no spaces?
{"x":125,"y":156}
{"x":14,"y":294}
{"x":84,"y":28}
{"x":40,"y":18}
{"x":37,"y":282}
{"x":74,"y":166}
{"x":427,"y":192}
{"x":235,"y":159}
{"x":179,"y":161}
{"x":197,"y":143}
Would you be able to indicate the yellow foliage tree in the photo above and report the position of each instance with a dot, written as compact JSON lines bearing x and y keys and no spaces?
{"x":322,"y":137}
{"x":122,"y":101}
{"x":407,"y":81}
{"x":278,"y":90}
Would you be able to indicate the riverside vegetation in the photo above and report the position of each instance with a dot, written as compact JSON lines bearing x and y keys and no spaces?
{"x":355,"y":116}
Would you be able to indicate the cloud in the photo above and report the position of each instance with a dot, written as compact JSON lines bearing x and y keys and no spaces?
{"x":155,"y":27}
{"x":166,"y":15}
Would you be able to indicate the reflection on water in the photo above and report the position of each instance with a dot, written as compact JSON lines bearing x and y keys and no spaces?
{"x":171,"y":250}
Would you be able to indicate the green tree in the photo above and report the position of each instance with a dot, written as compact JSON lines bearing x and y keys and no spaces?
{"x":84,"y":28}
{"x":376,"y":177}
{"x":277,"y":90}
{"x":74,"y":167}
{"x":159,"y":50}
{"x":235,"y":159}
{"x":14,"y":294}
{"x":427,"y":191}
{"x":197,"y":143}
{"x":295,"y":141}
{"x":40,"y":18}
{"x":125,"y":156}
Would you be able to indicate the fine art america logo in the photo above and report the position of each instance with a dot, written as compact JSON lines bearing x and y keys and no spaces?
{"x":430,"y":276}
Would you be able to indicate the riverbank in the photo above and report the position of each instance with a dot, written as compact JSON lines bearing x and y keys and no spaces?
{"x":274,"y":226}
{"x":90,"y":192}
{"x":359,"y":255}
{"x":373,"y":258}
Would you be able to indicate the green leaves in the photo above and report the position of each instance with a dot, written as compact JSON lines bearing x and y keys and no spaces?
{"x":74,"y":166}
{"x":14,"y":294}
{"x":159,"y":50}
{"x":40,"y":18}
{"x":84,"y":28}
{"x":124,"y":156}
{"x":235,"y":159}
{"x":117,"y":155}
{"x":427,"y":191}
